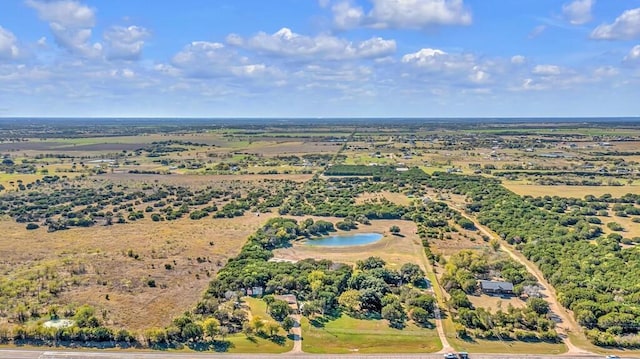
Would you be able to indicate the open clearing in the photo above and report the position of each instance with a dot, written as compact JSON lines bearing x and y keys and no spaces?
{"x":349,"y":335}
{"x":568,"y":191}
{"x":397,"y":198}
{"x":495,"y":302}
{"x":240,"y":343}
{"x":395,"y":250}
{"x":99,"y":256}
{"x":631,"y":229}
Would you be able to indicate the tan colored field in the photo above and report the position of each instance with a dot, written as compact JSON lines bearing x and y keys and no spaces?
{"x":493,"y":303}
{"x":458,"y":242}
{"x":455,"y":201}
{"x":568,"y":191}
{"x":200,"y":180}
{"x":395,"y":250}
{"x":101,"y":256}
{"x":631,"y":229}
{"x":397,"y":198}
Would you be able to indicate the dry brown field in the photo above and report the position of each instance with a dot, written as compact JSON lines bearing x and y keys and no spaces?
{"x":631,"y":229}
{"x":397,"y":198}
{"x":102,"y":253}
{"x":200,"y":180}
{"x":569,"y":191}
{"x":494,"y":303}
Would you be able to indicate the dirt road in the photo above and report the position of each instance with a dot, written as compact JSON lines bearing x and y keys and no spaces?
{"x":566,"y":323}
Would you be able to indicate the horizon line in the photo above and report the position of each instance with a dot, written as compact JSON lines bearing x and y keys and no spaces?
{"x":317,"y":117}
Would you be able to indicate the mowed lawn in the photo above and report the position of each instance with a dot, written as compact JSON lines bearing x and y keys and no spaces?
{"x":349,"y":335}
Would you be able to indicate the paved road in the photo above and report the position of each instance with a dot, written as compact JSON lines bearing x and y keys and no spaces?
{"x":42,"y":354}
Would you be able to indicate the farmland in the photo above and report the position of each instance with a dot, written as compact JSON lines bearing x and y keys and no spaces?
{"x":158,"y":235}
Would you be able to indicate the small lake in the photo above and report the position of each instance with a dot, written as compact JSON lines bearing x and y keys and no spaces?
{"x":345,"y":240}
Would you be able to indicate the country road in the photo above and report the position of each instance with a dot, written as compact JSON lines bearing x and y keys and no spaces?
{"x":43,"y":354}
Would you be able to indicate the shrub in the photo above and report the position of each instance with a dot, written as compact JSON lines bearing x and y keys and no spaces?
{"x":32,"y":226}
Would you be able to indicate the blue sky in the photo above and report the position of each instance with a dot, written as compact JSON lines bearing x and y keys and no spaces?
{"x":320,"y":58}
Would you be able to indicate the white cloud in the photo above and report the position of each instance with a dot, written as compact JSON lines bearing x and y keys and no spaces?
{"x":125,"y":43}
{"x":606,"y":71}
{"x":529,"y":84}
{"x":286,"y":43}
{"x":537,"y":31}
{"x":71,"y":24}
{"x":546,"y":70}
{"x":234,"y":40}
{"x":8,"y":44}
{"x":202,"y":59}
{"x":449,"y":69}
{"x":578,"y":12}
{"x":402,"y":14}
{"x":625,"y":27}
{"x":423,"y":57}
{"x":347,"y":16}
{"x":478,"y":76}
{"x":634,"y":55}
{"x":518,"y":59}
{"x":66,"y":13}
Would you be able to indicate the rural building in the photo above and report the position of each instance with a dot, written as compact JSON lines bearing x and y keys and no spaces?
{"x":495,"y":287}
{"x":255,"y":291}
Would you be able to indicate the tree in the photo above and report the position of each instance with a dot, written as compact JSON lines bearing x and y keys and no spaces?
{"x":370,"y":263}
{"x":288,"y":323}
{"x":419,"y":316}
{"x":211,"y":327}
{"x":459,"y":299}
{"x":257,"y":324}
{"x":423,"y":301}
{"x":411,"y":273}
{"x":495,"y":244}
{"x":586,"y":318}
{"x":32,"y":226}
{"x":272,"y":328}
{"x":350,"y":300}
{"x":394,"y":229}
{"x":370,"y":299}
{"x":394,"y":314}
{"x":85,"y":317}
{"x":465,"y":223}
{"x":538,"y":305}
{"x":279,"y":310}
{"x":192,"y":331}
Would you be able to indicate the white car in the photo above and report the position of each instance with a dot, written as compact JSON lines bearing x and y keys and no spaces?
{"x":613,"y":356}
{"x":450,"y":356}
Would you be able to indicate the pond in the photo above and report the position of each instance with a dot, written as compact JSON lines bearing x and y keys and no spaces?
{"x":346,"y":240}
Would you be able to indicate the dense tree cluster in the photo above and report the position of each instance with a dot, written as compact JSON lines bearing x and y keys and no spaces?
{"x":593,"y":275}
{"x":462,"y":272}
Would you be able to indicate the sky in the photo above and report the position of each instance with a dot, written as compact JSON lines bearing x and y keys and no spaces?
{"x":319,"y":58}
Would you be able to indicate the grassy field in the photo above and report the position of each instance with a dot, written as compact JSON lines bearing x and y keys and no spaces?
{"x":349,"y":335}
{"x":397,"y":198}
{"x":568,"y":191}
{"x":395,"y":250}
{"x":631,"y":229}
{"x":499,"y":346}
{"x":96,"y":259}
{"x":240,"y":343}
{"x":493,"y":303}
